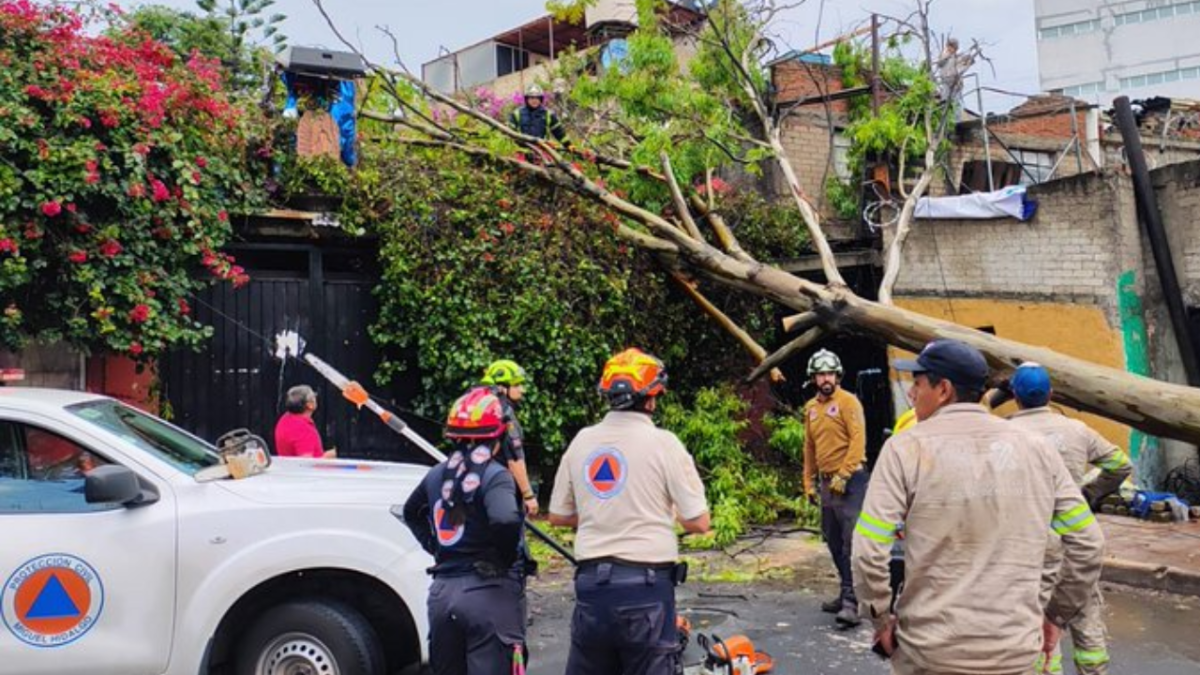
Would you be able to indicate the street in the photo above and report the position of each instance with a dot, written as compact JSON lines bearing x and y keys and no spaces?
{"x":1151,"y":633}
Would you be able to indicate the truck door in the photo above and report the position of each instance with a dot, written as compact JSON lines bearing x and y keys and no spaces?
{"x":88,"y":588}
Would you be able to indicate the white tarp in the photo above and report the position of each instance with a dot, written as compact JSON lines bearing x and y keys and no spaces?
{"x":1011,"y":202}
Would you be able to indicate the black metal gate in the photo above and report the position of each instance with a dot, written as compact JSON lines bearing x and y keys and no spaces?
{"x":325,"y":294}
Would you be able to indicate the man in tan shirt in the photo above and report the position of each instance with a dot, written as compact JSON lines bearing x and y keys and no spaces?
{"x":976,"y":495}
{"x":623,"y":484}
{"x":835,"y":443}
{"x":1081,"y":449}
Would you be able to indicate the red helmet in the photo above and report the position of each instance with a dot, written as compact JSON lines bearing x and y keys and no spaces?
{"x":477,"y":414}
{"x":631,"y":376}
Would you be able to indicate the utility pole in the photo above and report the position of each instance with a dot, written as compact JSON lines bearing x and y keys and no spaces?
{"x":876,"y":92}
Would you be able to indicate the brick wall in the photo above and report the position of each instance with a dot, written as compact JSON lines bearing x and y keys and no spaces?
{"x":795,"y":80}
{"x":806,"y":141}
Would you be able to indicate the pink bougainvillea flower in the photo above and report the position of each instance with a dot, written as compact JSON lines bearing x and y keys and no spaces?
{"x":139,"y":314}
{"x":110,"y":248}
{"x":52,"y":209}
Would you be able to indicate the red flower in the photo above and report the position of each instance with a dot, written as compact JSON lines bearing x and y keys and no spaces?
{"x":71,"y":208}
{"x":136,"y":190}
{"x":8,"y":246}
{"x":184,"y":308}
{"x":92,"y":166}
{"x":51,"y":209}
{"x":92,"y":178}
{"x":195,"y":177}
{"x":85,"y":123}
{"x":160,"y":191}
{"x":109,"y":118}
{"x":139,"y":314}
{"x":32,"y":232}
{"x":241,"y":280}
{"x":223,"y":216}
{"x":201,"y":162}
{"x":83,"y":228}
{"x":507,"y":228}
{"x":78,"y":256}
{"x":135,"y":348}
{"x":110,"y":248}
{"x":141,"y":149}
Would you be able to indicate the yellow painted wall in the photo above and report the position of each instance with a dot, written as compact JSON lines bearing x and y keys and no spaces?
{"x":1081,"y":331}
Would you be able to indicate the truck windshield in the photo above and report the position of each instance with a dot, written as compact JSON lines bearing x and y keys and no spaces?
{"x":174,"y":446}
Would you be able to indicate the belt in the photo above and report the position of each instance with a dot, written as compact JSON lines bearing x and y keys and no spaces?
{"x":621,"y":562}
{"x":826,"y":476}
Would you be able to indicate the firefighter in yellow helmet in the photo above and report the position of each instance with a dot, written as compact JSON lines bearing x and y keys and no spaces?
{"x":507,"y":381}
{"x":624,"y":484}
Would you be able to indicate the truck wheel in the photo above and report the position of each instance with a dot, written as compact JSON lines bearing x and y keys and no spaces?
{"x":311,"y":637}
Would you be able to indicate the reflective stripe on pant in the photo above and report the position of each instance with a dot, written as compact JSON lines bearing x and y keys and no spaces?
{"x":839,"y":514}
{"x":1089,"y":638}
{"x":624,"y":622}
{"x":474,"y":625}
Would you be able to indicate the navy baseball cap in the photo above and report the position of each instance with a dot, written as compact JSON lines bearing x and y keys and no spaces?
{"x":956,"y":361}
{"x":1031,"y":385}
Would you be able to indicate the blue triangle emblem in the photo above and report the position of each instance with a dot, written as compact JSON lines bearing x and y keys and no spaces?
{"x":53,"y":602}
{"x":605,"y":472}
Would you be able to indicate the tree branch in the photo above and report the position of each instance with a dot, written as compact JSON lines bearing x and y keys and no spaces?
{"x":681,"y":205}
{"x":729,"y":325}
{"x":786,"y":352}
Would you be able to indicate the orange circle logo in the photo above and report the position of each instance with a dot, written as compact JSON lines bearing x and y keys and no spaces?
{"x":605,"y":472}
{"x":52,"y":600}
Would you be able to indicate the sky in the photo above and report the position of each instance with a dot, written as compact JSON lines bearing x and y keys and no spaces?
{"x":423,"y":27}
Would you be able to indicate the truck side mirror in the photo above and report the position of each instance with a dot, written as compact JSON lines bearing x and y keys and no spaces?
{"x":115,"y":484}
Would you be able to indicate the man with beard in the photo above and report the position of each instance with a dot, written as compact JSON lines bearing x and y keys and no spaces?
{"x":835,"y":443}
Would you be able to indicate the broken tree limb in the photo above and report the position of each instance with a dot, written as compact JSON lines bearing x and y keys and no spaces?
{"x":800,"y":322}
{"x":681,"y":206}
{"x":786,"y":352}
{"x":748,"y":343}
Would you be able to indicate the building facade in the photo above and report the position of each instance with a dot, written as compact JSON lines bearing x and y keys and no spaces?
{"x":1097,"y":50}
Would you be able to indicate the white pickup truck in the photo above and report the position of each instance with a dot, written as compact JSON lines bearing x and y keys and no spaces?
{"x":117,"y":559}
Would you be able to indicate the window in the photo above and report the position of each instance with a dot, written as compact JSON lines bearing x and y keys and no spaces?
{"x":42,"y":472}
{"x":1158,"y":13}
{"x":510,"y":60}
{"x":841,"y":156}
{"x":170,"y":444}
{"x":1037,"y":166}
{"x":1067,"y":30}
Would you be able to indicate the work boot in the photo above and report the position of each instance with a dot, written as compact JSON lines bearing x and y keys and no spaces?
{"x":848,"y":617}
{"x":832,"y":606}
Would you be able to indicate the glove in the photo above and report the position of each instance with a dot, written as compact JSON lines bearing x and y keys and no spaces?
{"x":837,"y":485}
{"x":812,"y":498}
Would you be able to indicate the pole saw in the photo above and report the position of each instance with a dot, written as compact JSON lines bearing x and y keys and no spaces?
{"x":289,"y":343}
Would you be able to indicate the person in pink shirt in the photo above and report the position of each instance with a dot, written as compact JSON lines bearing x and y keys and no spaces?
{"x":296,"y":434}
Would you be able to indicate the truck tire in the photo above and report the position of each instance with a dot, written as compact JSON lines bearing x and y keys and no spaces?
{"x":310,"y":637}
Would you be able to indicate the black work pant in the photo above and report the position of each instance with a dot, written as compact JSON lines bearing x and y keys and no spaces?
{"x":475,"y":624}
{"x":839,"y":514}
{"x":624,"y":621}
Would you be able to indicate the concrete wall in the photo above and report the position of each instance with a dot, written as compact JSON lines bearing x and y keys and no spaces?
{"x":1136,"y":47}
{"x":55,"y":366}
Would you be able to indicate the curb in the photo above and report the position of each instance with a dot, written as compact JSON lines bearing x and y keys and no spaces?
{"x":1154,"y":577}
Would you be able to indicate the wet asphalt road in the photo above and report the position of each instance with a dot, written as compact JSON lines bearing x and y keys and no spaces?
{"x":1151,"y":633}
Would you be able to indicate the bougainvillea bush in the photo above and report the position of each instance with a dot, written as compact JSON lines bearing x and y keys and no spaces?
{"x":120,"y":163}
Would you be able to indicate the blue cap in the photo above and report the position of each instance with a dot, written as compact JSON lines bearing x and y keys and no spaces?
{"x":956,"y":361}
{"x":1031,"y":385}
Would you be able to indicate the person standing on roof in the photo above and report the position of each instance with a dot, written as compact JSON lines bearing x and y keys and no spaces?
{"x":507,"y":381}
{"x":1081,"y":448}
{"x":835,"y":445}
{"x":976,"y":495}
{"x":624,"y":484}
{"x":534,"y":119}
{"x":466,"y":515}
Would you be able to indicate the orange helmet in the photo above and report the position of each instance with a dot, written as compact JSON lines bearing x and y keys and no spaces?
{"x":476,"y":414}
{"x":631,"y":376}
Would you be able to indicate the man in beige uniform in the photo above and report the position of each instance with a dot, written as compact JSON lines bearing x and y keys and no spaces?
{"x":1081,"y":448}
{"x":623,"y":484}
{"x":976,"y":495}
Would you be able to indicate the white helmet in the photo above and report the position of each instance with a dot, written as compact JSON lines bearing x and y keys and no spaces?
{"x":824,"y":361}
{"x":534,"y":91}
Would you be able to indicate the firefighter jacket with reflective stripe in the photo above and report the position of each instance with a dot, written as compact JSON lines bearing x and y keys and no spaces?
{"x":835,"y":437}
{"x":1081,"y":448}
{"x":977,"y":495}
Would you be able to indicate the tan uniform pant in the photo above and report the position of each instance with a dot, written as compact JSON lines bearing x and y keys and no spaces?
{"x":1089,"y":638}
{"x":902,"y":665}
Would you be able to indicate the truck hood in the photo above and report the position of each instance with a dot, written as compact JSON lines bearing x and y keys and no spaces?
{"x":320,"y":481}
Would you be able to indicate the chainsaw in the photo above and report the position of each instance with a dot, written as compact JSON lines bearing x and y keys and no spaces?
{"x":733,"y":656}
